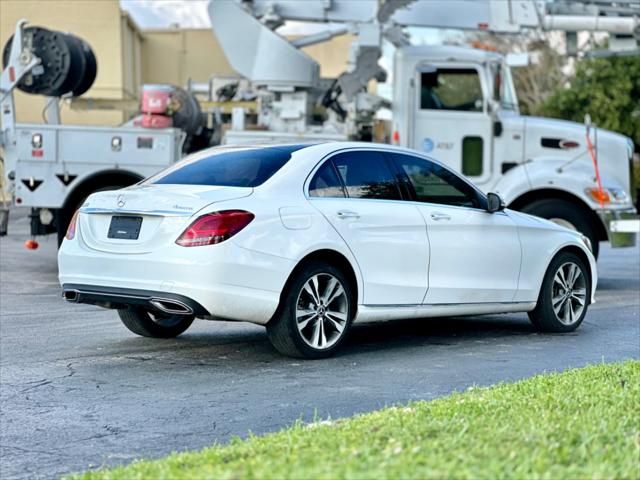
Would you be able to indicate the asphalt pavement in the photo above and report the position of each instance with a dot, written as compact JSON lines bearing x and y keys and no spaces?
{"x":79,"y":391}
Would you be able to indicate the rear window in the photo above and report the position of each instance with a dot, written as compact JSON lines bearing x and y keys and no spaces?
{"x":238,"y":167}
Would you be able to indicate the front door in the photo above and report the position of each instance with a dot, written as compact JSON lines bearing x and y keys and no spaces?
{"x":475,"y":255}
{"x":451,"y":120}
{"x":358,"y":194}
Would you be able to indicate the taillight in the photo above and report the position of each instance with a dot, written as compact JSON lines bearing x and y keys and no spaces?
{"x":71,"y":229}
{"x":214,"y":228}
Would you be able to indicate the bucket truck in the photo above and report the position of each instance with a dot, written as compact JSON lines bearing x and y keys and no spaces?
{"x":457,"y":104}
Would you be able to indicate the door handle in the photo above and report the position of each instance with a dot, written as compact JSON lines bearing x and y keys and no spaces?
{"x":347,"y":214}
{"x":440,"y":216}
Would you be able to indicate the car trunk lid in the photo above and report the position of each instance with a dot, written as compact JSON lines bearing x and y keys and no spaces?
{"x":140,"y":219}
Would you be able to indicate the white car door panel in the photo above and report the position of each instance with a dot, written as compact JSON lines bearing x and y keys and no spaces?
{"x":474,"y":255}
{"x":386,"y":235}
{"x":389,"y":241}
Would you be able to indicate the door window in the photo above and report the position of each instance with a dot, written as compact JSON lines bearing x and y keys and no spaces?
{"x":325,"y":183}
{"x":451,"y":89}
{"x":472,"y":148}
{"x":435,"y":184}
{"x":366,"y":174}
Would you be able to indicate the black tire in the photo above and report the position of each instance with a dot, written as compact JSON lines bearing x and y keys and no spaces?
{"x":569,"y":212}
{"x":142,"y":323}
{"x":544,"y":317}
{"x":282,"y":329}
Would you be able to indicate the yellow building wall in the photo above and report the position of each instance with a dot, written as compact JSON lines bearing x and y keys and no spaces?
{"x":97,"y":22}
{"x":332,"y":55}
{"x":175,"y":55}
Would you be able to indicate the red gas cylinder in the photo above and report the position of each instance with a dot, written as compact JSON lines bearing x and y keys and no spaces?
{"x":156,"y":98}
{"x":156,"y":121}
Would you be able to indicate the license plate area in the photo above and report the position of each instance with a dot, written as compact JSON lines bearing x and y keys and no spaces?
{"x":125,"y":227}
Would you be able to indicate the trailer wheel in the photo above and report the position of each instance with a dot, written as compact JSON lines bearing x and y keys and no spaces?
{"x":568,"y":215}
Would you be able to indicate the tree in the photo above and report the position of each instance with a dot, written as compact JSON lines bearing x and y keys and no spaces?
{"x":537,"y":81}
{"x":608,"y":89}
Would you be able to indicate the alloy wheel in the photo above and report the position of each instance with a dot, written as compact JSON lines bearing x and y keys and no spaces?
{"x":322,"y":311}
{"x":569,"y":293}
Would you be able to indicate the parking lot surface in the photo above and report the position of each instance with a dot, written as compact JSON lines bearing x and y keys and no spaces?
{"x":78,"y":390}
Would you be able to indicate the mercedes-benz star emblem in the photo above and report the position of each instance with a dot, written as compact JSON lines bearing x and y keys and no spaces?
{"x":121,"y":201}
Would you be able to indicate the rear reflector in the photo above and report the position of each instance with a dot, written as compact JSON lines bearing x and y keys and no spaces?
{"x":214,"y":228}
{"x":71,"y":229}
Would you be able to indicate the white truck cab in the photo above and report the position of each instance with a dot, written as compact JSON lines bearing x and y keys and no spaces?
{"x":460,"y":106}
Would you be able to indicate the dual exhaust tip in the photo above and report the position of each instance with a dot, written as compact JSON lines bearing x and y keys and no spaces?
{"x":164,"y":305}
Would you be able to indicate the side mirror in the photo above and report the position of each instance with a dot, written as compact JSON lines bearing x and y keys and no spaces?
{"x":495,"y":203}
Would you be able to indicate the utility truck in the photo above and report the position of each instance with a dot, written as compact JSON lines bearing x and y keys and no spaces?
{"x":457,"y":104}
{"x":52,"y":167}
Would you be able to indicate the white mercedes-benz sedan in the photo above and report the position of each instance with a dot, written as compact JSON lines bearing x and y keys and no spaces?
{"x":308,"y":239}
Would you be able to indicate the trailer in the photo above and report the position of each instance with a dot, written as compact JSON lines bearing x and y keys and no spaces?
{"x":51,"y":167}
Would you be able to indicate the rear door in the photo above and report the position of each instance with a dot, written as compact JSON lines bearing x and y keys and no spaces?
{"x":359,"y":195}
{"x":475,"y":255}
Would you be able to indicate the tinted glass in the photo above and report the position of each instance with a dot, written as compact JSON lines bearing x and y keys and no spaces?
{"x":238,"y":167}
{"x":325,"y":183}
{"x":472,"y":156}
{"x":367,"y":175}
{"x":451,"y":89}
{"x":434,"y":184}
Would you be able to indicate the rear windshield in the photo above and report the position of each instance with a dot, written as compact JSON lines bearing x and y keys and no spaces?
{"x":238,"y":167}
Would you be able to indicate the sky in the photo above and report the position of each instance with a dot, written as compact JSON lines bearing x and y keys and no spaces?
{"x":193,"y":14}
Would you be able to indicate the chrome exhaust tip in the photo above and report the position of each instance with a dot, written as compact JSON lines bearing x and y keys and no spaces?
{"x":71,"y":296}
{"x":173,"y":307}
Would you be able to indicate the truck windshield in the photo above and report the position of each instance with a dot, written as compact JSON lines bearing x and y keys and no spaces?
{"x":227,"y":167}
{"x":508,"y":98}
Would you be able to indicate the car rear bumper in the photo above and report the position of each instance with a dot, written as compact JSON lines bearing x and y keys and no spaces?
{"x":222,"y":281}
{"x":116,"y":297}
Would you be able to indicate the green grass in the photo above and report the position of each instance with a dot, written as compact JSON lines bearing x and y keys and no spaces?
{"x":580,"y":424}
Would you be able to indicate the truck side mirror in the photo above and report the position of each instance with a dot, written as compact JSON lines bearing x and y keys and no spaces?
{"x":495,"y":203}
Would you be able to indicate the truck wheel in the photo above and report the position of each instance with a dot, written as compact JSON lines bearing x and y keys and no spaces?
{"x":568,"y":215}
{"x":147,"y":324}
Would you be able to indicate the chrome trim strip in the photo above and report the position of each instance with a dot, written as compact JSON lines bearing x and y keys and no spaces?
{"x":382,"y":313}
{"x":164,"y":213}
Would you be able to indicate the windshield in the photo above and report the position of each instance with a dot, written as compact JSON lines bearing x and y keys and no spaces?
{"x":508,"y":98}
{"x":227,"y":167}
{"x":503,"y":89}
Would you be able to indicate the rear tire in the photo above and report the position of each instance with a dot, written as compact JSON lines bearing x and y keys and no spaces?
{"x":564,"y":295}
{"x":146,"y":324}
{"x":567,"y":214}
{"x":315,"y":313}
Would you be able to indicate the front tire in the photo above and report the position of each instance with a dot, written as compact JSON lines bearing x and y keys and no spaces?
{"x":564,"y":295}
{"x":147,"y":324}
{"x":315,"y":313}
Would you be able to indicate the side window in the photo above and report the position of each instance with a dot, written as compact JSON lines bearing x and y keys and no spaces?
{"x":325,"y":183}
{"x":472,"y":156}
{"x":435,"y":184}
{"x":367,"y":175}
{"x":451,"y":89}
